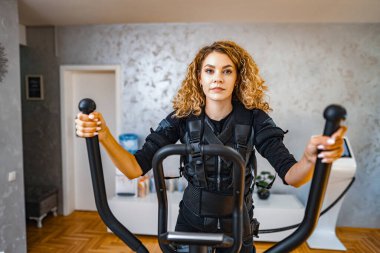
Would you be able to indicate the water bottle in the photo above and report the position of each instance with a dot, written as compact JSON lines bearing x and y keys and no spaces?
{"x":129,"y":142}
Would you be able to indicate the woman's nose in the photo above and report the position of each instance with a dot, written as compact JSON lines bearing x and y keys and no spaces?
{"x":217,"y":78}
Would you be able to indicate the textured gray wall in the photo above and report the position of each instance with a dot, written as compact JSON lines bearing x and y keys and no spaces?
{"x":307,"y":66}
{"x":41,"y":127}
{"x":12,"y":216}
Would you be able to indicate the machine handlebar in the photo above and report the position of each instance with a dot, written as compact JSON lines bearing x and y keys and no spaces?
{"x":333,"y":114}
{"x":87,"y":106}
{"x":238,"y":190}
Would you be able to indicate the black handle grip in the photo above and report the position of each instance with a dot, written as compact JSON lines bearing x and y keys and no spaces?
{"x":333,"y":114}
{"x":87,"y":106}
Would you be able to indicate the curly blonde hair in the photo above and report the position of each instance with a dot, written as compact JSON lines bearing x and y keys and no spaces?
{"x":249,"y":90}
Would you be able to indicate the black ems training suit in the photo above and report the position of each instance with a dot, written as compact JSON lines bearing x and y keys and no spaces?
{"x":207,"y":201}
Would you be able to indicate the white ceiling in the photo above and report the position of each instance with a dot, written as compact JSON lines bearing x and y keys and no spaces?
{"x":79,"y":12}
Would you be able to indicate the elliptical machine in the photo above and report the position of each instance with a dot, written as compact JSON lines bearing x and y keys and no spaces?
{"x":200,"y":242}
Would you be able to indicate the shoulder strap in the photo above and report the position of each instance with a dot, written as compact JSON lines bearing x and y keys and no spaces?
{"x":244,"y":135}
{"x":243,"y":132}
{"x":195,"y":128}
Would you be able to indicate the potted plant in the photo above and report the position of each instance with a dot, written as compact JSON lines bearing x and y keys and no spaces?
{"x":264,"y":182}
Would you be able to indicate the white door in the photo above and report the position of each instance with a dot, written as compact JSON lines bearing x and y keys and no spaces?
{"x":101,"y":85}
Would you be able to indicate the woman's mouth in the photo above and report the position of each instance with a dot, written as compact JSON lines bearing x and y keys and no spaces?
{"x":217,"y":89}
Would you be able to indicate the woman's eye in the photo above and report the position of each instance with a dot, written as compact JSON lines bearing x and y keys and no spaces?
{"x":228,"y":71}
{"x":209,"y":71}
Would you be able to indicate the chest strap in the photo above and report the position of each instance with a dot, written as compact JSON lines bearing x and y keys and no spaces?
{"x":211,"y":138}
{"x":208,"y":204}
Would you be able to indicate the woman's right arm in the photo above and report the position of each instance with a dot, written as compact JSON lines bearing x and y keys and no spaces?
{"x":94,"y":124}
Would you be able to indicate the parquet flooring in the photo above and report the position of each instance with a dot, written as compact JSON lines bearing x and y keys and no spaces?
{"x":84,"y":232}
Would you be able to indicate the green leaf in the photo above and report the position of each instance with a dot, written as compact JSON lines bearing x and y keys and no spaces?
{"x":263,"y":184}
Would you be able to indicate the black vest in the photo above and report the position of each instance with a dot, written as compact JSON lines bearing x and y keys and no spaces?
{"x":207,"y":201}
{"x":214,"y":173}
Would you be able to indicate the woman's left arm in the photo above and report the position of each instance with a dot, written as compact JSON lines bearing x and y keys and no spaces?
{"x":331,"y":149}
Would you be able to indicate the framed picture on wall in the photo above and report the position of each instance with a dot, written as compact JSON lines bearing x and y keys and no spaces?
{"x":34,"y":87}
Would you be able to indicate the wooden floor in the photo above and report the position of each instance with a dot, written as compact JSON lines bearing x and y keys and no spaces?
{"x":84,"y":232}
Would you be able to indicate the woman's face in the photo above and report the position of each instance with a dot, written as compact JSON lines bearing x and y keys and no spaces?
{"x":218,"y":77}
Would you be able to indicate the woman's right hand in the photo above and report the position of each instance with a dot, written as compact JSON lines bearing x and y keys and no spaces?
{"x":90,"y":125}
{"x":94,"y":125}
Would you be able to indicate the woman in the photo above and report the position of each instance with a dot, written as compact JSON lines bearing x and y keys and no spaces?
{"x":220,"y":101}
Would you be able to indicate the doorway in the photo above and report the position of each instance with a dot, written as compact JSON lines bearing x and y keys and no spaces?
{"x":102,"y":84}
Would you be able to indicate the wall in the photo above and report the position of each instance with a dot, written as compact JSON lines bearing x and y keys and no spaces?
{"x":307,"y":67}
{"x":41,"y":118}
{"x":12,"y":216}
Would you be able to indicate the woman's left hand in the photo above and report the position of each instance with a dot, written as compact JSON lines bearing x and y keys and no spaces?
{"x":331,"y":147}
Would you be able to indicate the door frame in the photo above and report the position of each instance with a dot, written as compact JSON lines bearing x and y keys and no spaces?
{"x":66,"y":88}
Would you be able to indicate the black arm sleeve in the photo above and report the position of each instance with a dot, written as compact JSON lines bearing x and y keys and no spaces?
{"x":269,"y":143}
{"x":167,"y":132}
